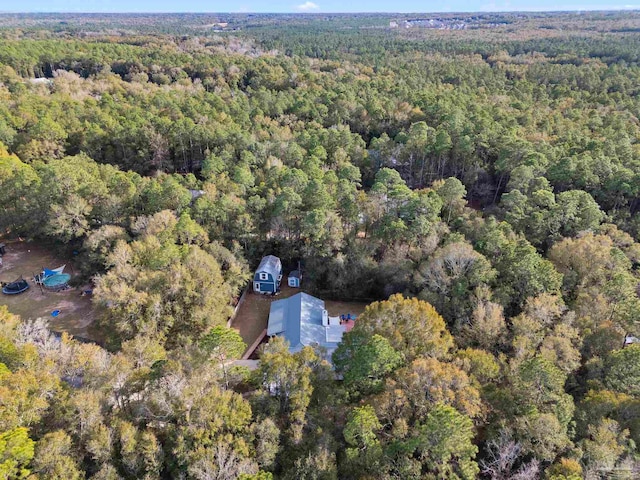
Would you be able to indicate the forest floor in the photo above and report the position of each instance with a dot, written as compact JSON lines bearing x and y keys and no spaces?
{"x":25,"y":259}
{"x":253,"y":314}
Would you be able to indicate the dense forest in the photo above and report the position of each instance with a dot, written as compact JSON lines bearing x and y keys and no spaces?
{"x":479,"y":187}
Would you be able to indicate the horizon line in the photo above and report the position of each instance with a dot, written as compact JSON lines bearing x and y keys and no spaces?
{"x":634,"y":8}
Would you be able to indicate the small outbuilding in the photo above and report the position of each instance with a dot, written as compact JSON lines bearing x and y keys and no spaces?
{"x":268,"y":276}
{"x":294,"y":279}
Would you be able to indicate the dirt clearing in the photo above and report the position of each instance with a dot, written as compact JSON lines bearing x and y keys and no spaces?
{"x":24,"y":259}
{"x":253,"y":314}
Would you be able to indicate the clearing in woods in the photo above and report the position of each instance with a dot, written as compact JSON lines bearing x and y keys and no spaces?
{"x":253,"y":314}
{"x":24,"y":259}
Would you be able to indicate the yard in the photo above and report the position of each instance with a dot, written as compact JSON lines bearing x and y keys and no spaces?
{"x":253,"y":314}
{"x":24,"y":259}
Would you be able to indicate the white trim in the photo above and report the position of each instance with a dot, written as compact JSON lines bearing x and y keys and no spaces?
{"x":256,"y":286}
{"x":263,"y":276}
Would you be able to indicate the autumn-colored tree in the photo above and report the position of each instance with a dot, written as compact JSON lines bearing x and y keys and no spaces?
{"x":412,"y":327}
{"x":414,"y":390}
{"x":54,"y":458}
{"x":451,"y":276}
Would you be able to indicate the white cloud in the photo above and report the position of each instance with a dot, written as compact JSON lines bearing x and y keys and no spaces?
{"x":307,"y":6}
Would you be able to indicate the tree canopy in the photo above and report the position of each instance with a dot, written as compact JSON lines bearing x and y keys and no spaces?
{"x":473,"y":178}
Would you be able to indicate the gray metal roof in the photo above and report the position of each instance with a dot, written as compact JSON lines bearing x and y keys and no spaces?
{"x":270,"y":264}
{"x":278,"y":317}
{"x":299,"y":320}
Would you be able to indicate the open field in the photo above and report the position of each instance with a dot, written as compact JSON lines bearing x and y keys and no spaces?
{"x":253,"y":314}
{"x":26,"y":259}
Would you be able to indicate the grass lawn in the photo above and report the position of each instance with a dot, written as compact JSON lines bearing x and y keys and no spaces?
{"x":253,"y":314}
{"x":26,"y":259}
{"x":336,"y":308}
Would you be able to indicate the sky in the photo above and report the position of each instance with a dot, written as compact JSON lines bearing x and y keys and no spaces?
{"x":309,"y":6}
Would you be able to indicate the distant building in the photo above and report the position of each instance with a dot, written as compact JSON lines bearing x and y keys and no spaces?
{"x":630,"y":340}
{"x":40,"y":81}
{"x":268,"y":275}
{"x":393,"y":24}
{"x":294,"y":279}
{"x":195,"y":194}
{"x":304,"y":322}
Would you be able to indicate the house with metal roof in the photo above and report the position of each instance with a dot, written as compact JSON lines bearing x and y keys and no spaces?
{"x":304,"y":322}
{"x":268,"y":276}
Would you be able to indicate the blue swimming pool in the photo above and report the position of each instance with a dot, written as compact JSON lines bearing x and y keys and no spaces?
{"x":56,"y":281}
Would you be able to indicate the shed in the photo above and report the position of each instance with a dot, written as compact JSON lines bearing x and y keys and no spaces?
{"x":268,"y":275}
{"x":294,"y":279}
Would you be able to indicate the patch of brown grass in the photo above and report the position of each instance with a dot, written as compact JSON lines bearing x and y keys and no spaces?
{"x":25,"y":259}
